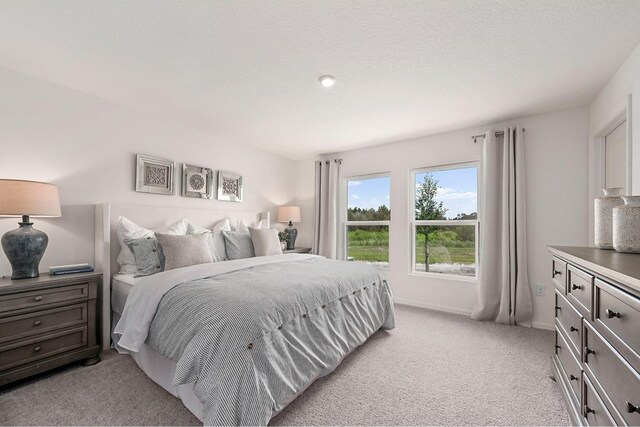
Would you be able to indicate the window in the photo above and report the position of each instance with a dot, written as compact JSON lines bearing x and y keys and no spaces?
{"x":444,"y":220}
{"x":368,"y":215}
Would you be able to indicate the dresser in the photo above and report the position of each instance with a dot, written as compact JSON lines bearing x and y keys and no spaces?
{"x":46,"y":322}
{"x":597,"y":334}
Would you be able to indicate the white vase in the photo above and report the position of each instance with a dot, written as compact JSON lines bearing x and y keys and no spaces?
{"x":626,"y":225}
{"x":603,"y":213}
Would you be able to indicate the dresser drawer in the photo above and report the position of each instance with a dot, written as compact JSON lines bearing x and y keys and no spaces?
{"x":21,"y":353}
{"x":31,"y":299}
{"x":571,"y":321}
{"x":25,"y":325}
{"x":580,"y":289}
{"x":619,"y":380}
{"x":559,"y":274}
{"x":569,"y":363}
{"x":593,"y":408}
{"x":617,"y":317}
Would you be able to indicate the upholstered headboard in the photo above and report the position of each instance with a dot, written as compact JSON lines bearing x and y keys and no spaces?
{"x":107,"y":247}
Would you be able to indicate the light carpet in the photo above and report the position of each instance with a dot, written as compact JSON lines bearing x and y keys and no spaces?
{"x":433,"y":369}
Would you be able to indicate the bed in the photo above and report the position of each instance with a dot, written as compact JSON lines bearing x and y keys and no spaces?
{"x":238,"y":340}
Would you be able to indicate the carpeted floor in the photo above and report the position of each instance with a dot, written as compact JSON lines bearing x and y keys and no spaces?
{"x":434,"y":368}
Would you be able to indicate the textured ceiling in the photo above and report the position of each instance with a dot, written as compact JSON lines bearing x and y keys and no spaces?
{"x":248,"y":71}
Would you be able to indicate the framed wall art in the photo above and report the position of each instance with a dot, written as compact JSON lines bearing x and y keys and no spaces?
{"x":229,"y":187}
{"x":197,"y":182}
{"x":154,"y":175}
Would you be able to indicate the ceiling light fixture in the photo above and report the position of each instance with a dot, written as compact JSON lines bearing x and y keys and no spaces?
{"x":327,"y":81}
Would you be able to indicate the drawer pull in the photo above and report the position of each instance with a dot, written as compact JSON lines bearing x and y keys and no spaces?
{"x":556,"y":273}
{"x":37,"y":323}
{"x":611,"y":314}
{"x":588,"y":351}
{"x":574,"y":378}
{"x":573,"y":329}
{"x":631,"y":408}
{"x":38,"y":298}
{"x":588,"y":411}
{"x":37,"y":349}
{"x":575,"y":287}
{"x":558,"y":308}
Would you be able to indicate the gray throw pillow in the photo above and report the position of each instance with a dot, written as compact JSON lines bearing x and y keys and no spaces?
{"x":148,"y":255}
{"x":265,"y":241}
{"x":186,"y":250}
{"x":238,"y":245}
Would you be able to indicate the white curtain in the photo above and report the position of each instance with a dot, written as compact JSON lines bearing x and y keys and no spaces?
{"x":503,"y":292}
{"x":326,"y":220}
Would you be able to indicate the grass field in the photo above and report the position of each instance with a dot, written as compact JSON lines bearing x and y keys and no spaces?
{"x":364,"y":245}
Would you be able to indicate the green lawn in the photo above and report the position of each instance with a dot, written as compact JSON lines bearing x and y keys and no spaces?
{"x":441,"y":255}
{"x":374,"y":246}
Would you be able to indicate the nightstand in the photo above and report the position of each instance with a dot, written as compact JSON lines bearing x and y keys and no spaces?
{"x":46,"y":322}
{"x":297,"y":251}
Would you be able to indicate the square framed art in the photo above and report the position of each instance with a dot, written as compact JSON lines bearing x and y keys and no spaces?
{"x":197,"y":182}
{"x":154,"y":175}
{"x":229,"y":187}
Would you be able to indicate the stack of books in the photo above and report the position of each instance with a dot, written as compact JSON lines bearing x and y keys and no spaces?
{"x":70,"y":269}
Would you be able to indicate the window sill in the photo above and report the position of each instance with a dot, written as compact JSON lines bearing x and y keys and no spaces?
{"x":453,"y":277}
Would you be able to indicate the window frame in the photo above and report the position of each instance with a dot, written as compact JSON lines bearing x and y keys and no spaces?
{"x":344,"y":212}
{"x":414,"y":223}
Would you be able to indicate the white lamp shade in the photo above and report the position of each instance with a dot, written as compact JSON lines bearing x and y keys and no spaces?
{"x":31,"y":198}
{"x":289,"y":213}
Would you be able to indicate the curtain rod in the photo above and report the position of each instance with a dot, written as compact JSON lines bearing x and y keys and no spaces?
{"x":484,"y":135}
{"x":339,"y":161}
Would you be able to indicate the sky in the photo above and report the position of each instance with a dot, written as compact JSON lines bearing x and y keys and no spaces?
{"x":457,"y":189}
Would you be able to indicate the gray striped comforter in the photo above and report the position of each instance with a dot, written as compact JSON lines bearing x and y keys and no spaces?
{"x":254,"y":338}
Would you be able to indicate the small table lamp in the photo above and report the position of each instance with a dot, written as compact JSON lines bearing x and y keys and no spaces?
{"x":290,"y":214}
{"x":25,"y":246}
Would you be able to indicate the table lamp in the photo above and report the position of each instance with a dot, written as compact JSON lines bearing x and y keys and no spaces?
{"x":25,"y":245}
{"x":290,"y":214}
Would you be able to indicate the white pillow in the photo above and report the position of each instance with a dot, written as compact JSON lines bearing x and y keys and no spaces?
{"x":265,"y":241}
{"x":241,"y":226}
{"x":127,"y":229}
{"x":218,"y":238}
{"x":215,"y":254}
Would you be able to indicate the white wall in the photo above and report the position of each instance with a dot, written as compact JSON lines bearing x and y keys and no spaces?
{"x":556,"y":173}
{"x":610,"y":103}
{"x":87,"y":147}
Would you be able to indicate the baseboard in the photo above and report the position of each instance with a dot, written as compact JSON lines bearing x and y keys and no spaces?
{"x":446,"y":309}
{"x":456,"y":310}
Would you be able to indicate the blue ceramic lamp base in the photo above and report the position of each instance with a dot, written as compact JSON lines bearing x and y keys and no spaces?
{"x":292,"y":233}
{"x":24,"y":248}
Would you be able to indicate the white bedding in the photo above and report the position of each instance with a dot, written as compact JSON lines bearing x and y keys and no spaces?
{"x":157,"y":367}
{"x":121,"y":285}
{"x":138,"y":313}
{"x":147,"y":292}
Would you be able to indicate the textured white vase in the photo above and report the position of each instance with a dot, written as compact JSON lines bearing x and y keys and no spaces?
{"x":626,"y":225}
{"x":603,"y":212}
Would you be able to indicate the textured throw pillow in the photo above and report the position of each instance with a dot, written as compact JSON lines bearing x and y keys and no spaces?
{"x":127,"y":229}
{"x":238,"y":245}
{"x":183,"y":251}
{"x":195,"y":229}
{"x":148,"y":254}
{"x":265,"y":241}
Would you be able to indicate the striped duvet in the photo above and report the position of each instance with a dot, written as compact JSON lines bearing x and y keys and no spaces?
{"x":254,"y":337}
